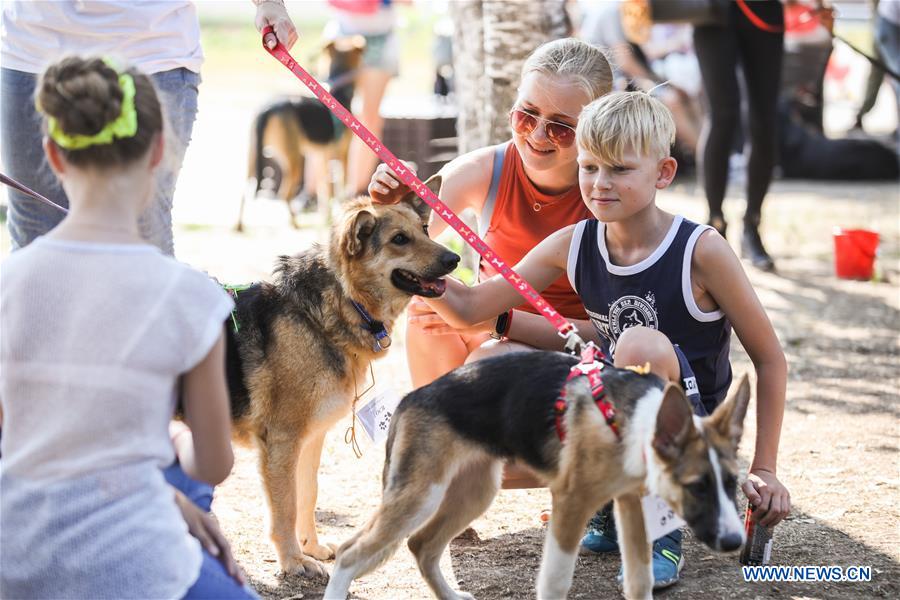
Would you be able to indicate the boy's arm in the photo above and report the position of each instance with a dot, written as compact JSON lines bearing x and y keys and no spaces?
{"x":462,"y":306}
{"x":536,"y":331}
{"x":719,"y":272}
{"x":525,"y":327}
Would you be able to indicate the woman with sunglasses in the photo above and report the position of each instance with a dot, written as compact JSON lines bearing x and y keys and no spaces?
{"x":522,"y":190}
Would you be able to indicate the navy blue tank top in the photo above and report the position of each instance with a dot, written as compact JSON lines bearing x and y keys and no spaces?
{"x":655,"y":293}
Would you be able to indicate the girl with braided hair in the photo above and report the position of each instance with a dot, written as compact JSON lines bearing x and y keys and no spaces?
{"x":97,"y":343}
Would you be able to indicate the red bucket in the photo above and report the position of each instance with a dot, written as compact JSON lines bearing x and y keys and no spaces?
{"x":854,"y":253}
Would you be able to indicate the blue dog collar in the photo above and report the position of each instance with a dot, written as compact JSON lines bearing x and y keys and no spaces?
{"x":382,"y":340}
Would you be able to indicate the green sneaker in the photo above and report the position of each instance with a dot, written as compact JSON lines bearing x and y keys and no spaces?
{"x":667,"y":560}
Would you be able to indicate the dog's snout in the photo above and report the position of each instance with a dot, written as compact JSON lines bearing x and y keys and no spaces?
{"x":731,"y":541}
{"x":449,"y":260}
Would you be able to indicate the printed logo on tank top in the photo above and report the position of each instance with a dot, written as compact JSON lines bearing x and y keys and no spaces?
{"x":624,"y":313}
{"x":690,"y":386}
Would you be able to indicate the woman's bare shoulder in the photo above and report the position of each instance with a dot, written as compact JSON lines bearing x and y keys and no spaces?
{"x":467,"y":178}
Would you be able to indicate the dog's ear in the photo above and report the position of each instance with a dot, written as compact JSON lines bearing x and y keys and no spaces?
{"x":728,"y":418}
{"x":357,"y":229}
{"x":433,"y":183}
{"x":673,"y":422}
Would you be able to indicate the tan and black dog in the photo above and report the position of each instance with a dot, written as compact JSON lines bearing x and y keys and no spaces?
{"x":293,"y":131}
{"x":448,"y":440}
{"x":303,"y":346}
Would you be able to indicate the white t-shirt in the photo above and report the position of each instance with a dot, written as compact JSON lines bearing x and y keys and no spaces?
{"x":154,"y":35}
{"x":93,"y":338}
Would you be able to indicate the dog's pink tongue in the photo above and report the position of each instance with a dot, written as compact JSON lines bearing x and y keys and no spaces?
{"x":438,"y":286}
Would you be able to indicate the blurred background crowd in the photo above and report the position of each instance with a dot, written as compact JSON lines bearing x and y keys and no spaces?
{"x":444,"y":77}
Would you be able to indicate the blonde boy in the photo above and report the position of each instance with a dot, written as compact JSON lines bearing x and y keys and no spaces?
{"x":658,"y":288}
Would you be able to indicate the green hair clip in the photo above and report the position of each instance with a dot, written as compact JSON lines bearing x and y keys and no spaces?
{"x":124,"y":126}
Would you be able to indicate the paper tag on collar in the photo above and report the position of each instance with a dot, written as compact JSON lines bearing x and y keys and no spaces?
{"x":376,"y":414}
{"x":659,"y":518}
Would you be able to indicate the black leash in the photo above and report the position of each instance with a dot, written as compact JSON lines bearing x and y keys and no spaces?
{"x":29,"y":192}
{"x":871,"y":59}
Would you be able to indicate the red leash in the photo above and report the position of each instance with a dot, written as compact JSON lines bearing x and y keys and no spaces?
{"x":591,"y":366}
{"x":565,"y":328}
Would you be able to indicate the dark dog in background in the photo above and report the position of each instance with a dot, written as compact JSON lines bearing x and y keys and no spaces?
{"x":290,"y":132}
{"x":807,"y":154}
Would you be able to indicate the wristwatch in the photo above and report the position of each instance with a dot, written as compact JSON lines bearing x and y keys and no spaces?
{"x":501,"y":327}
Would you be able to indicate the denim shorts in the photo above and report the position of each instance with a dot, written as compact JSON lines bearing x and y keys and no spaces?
{"x":198,"y":492}
{"x":214,"y":583}
{"x":382,"y":53}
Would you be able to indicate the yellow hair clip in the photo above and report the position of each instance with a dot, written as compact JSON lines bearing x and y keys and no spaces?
{"x":124,"y":126}
{"x":640,"y":369}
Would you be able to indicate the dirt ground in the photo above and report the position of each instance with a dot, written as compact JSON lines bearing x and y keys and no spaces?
{"x":839,"y":453}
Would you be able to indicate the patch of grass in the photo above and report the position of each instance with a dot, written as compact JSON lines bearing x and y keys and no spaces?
{"x":196,"y":226}
{"x":464,"y":274}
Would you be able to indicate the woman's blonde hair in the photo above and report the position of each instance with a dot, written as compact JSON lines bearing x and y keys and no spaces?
{"x":571,"y":57}
{"x":609,"y":125}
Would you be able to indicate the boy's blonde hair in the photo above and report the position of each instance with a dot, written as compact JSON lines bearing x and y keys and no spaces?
{"x":571,"y":57}
{"x":609,"y":125}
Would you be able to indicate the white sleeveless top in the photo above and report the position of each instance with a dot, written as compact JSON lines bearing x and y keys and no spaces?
{"x":93,"y":338}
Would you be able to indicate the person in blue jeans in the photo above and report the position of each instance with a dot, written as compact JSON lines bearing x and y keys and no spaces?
{"x":887,"y":37}
{"x":37,"y":33}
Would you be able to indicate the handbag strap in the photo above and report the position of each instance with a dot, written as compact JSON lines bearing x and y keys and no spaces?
{"x":756,"y":21}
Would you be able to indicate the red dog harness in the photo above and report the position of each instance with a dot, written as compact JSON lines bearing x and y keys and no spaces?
{"x":591,"y":366}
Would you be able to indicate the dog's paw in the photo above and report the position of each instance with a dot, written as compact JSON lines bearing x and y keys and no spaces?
{"x":304,"y":566}
{"x":464,"y":596}
{"x":324,"y":551}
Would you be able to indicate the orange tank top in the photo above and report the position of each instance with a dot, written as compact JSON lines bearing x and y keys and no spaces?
{"x":515,"y":227}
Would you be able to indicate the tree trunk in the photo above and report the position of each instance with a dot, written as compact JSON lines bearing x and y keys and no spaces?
{"x":468,"y":69}
{"x":492,"y":39}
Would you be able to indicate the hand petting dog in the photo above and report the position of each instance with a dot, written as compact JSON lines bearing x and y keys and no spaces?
{"x":433,"y":324}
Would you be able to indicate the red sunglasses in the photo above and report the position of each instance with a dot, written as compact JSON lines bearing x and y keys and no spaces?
{"x":523,"y":123}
